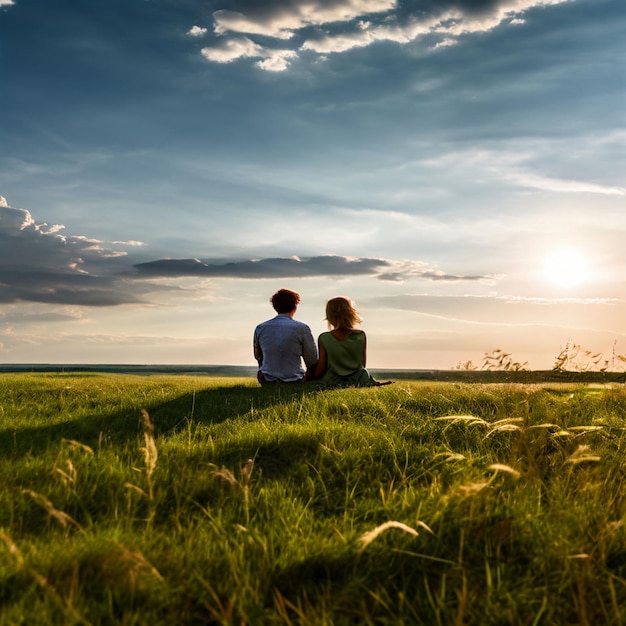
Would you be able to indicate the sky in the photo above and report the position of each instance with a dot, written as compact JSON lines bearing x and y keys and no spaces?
{"x":456,"y":167}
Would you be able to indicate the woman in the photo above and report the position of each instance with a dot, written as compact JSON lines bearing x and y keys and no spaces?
{"x":343,"y":350}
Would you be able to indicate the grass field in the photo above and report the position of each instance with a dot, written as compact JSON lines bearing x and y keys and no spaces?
{"x":193,"y":500}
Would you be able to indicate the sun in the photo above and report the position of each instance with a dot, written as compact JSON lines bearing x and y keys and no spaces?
{"x":566,"y":267}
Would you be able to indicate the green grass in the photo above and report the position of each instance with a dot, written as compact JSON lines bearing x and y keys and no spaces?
{"x":229,"y":504}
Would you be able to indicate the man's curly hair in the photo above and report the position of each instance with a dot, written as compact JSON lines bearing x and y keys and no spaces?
{"x":285,"y":300}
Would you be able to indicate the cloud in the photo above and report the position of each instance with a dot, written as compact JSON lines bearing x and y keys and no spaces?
{"x":546,"y":183}
{"x":20,"y":316}
{"x":282,"y":19}
{"x":131,"y":242}
{"x":197,"y":31}
{"x":412,"y":269}
{"x":264,"y":268}
{"x":368,"y":33}
{"x":329,"y":265}
{"x":324,"y":27}
{"x":6,"y":3}
{"x":231,"y":49}
{"x":39,"y":263}
{"x":517,"y":167}
{"x":514,"y":311}
{"x":54,"y":287}
{"x":276,"y":60}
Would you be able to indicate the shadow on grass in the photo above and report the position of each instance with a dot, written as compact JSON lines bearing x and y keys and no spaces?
{"x":219,"y":404}
{"x":210,"y":406}
{"x":275,"y":458}
{"x":383,"y":585}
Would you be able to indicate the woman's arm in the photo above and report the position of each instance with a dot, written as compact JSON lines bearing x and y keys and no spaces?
{"x":364,"y":349}
{"x":322,"y":363}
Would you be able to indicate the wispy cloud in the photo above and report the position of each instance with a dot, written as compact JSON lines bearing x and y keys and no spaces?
{"x":519,"y":167}
{"x":512,"y":310}
{"x":403,"y":270}
{"x":16,"y":316}
{"x":546,"y":183}
{"x":335,"y":27}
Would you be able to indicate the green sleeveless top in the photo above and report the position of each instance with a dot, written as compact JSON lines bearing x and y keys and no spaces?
{"x":346,"y":356}
{"x":344,"y":360}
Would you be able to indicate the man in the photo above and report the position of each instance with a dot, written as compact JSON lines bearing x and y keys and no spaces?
{"x":281,"y":343}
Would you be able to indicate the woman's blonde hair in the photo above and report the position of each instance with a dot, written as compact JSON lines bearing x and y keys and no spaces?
{"x":341,"y":313}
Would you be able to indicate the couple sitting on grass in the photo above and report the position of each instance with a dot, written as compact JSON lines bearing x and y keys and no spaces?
{"x":281,"y":343}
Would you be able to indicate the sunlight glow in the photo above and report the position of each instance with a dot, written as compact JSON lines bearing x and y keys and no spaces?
{"x":566,"y":267}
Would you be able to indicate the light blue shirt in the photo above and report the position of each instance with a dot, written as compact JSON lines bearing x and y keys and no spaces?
{"x":281,"y":343}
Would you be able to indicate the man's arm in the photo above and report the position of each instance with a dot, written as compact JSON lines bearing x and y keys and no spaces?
{"x":258,"y":353}
{"x":309,"y":349}
{"x":309,"y":353}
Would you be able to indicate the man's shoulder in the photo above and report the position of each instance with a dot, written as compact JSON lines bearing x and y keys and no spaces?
{"x":299,"y":323}
{"x":298,"y":327}
{"x":283,"y":321}
{"x":277,"y":319}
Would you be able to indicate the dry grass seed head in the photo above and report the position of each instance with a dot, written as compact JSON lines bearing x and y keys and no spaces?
{"x":128,"y":568}
{"x":78,"y":446}
{"x":226,"y":475}
{"x":246,"y":471}
{"x":472,"y":488}
{"x":450,"y":456}
{"x":580,"y":455}
{"x":368,"y":537}
{"x":504,"y":428}
{"x":136,"y":489}
{"x":13,"y":549}
{"x":507,"y":469}
{"x":67,"y":477}
{"x":150,"y":449}
{"x":63,"y":518}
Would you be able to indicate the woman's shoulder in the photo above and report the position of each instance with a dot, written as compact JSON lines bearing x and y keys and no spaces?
{"x":352,"y":335}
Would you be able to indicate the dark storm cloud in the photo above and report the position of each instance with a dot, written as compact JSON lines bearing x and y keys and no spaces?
{"x":40,"y":285}
{"x":265,"y":268}
{"x":38,"y":263}
{"x":294,"y":267}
